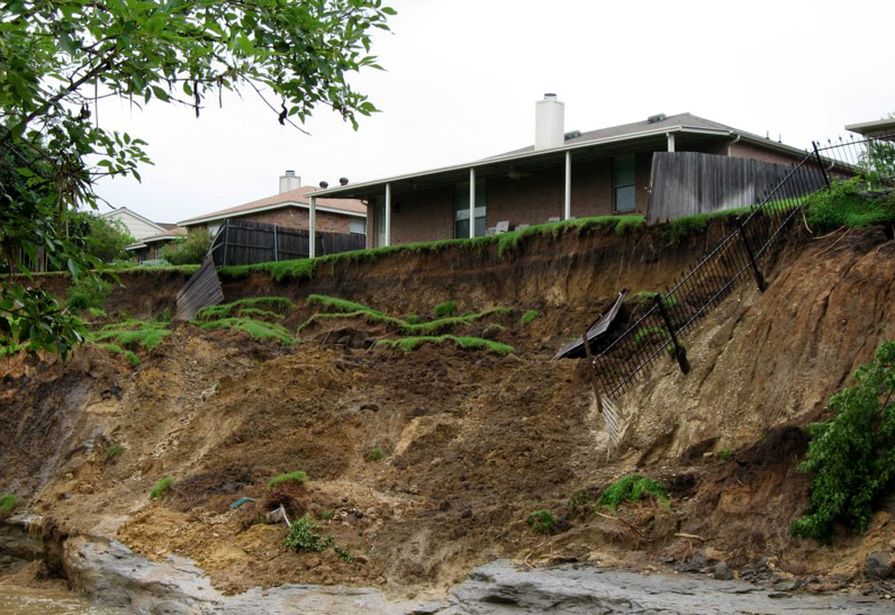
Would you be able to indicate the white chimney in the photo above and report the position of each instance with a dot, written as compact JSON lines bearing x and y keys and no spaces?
{"x":549,"y":122}
{"x":289,"y":181}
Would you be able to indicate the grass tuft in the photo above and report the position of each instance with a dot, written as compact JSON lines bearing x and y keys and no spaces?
{"x":633,"y":488}
{"x":7,"y":504}
{"x":529,"y":316}
{"x":375,"y":454}
{"x":161,"y":487}
{"x":303,"y":536}
{"x":114,"y":452}
{"x":846,"y":204}
{"x":298,"y":476}
{"x":258,"y":329}
{"x":409,"y":344}
{"x":443,"y":310}
{"x":272,"y":307}
{"x":542,"y":521}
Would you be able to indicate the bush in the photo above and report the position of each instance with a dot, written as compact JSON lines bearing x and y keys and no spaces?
{"x":632,"y":488}
{"x":188,"y":251}
{"x":87,"y":292}
{"x":299,"y":476}
{"x":161,"y":488}
{"x":7,"y":504}
{"x":303,"y":536}
{"x":851,"y":457}
{"x":102,"y":238}
{"x":542,"y":521}
{"x":845,"y":205}
{"x":448,"y":308}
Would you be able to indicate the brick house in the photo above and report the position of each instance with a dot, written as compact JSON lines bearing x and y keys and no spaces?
{"x":150,"y":248}
{"x":563,"y":175}
{"x":289,"y":208}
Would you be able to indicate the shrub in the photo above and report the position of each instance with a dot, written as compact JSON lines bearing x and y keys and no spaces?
{"x":87,"y":292}
{"x":189,"y":250}
{"x":303,"y":536}
{"x":299,"y":476}
{"x":344,"y":554}
{"x":375,"y":454}
{"x":448,"y":308}
{"x":632,"y":488}
{"x":542,"y":521}
{"x":102,"y":238}
{"x":844,"y":205}
{"x":114,"y":452}
{"x":7,"y":504}
{"x":529,"y":316}
{"x":851,"y":457}
{"x":161,"y":487}
{"x":725,"y":454}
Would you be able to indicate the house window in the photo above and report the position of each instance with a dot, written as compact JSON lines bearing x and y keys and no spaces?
{"x":359,"y":227}
{"x":624,"y":191}
{"x":461,"y":209}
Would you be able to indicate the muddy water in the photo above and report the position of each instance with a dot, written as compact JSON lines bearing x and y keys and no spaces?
{"x":26,"y":601}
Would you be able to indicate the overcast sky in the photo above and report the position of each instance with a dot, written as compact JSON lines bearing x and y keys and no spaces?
{"x":462,"y":77}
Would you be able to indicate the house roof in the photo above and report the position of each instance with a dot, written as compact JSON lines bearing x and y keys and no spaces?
{"x":880,"y":129}
{"x":606,"y":140}
{"x":169,"y":235}
{"x":125,"y":210}
{"x":290,"y":198}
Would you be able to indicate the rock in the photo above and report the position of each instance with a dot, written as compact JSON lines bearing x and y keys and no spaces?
{"x":878,"y":565}
{"x":721,"y":571}
{"x":715,"y":555}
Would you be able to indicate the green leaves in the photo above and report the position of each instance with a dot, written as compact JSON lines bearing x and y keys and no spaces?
{"x":850,"y":457}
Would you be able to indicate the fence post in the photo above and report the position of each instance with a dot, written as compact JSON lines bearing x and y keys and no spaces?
{"x":275,"y":251}
{"x":226,"y":239}
{"x":820,"y":163}
{"x":759,"y":279}
{"x":678,"y":351}
{"x":592,"y":369}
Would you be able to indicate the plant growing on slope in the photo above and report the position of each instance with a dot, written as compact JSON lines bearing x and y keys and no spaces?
{"x":844,"y":204}
{"x":375,"y":454}
{"x":7,"y":504}
{"x":633,"y":488}
{"x":443,"y":310}
{"x":161,"y":487}
{"x":298,"y":476}
{"x":851,"y":457}
{"x":409,"y":344}
{"x":529,"y":316}
{"x":542,"y":521}
{"x":303,"y":536}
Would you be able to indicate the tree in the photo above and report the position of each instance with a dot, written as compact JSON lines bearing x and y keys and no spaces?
{"x":59,"y":58}
{"x":101,"y":238}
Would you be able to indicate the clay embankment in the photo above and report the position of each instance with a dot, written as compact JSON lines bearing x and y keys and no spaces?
{"x":473,"y":442}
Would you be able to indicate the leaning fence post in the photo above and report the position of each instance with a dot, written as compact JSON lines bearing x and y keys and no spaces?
{"x":820,"y":163}
{"x":275,"y":254}
{"x":678,"y":351}
{"x":759,"y":279}
{"x":591,"y":368}
{"x":226,"y":239}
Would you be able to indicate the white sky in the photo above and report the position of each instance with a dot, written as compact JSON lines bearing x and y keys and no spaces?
{"x":462,"y":77}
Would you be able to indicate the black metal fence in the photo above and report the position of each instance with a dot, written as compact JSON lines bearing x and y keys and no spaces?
{"x":743,"y":254}
{"x":240,"y":242}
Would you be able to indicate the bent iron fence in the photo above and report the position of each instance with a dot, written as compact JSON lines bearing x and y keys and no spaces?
{"x":743,"y":253}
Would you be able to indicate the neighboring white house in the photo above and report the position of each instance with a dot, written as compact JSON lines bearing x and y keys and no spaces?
{"x":138,"y":226}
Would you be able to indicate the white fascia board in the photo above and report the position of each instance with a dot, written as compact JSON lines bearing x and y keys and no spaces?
{"x":135,"y":215}
{"x":237,"y":214}
{"x":135,"y":246}
{"x":334,"y":192}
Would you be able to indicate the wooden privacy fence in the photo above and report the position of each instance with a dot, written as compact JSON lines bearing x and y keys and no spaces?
{"x":688,"y":183}
{"x":241,"y":242}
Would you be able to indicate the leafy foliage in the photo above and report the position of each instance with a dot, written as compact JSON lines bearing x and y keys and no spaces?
{"x":86,"y":292}
{"x":303,"y":536}
{"x":844,"y":204}
{"x":7,"y":504}
{"x":448,"y":308}
{"x":851,"y":457}
{"x":189,"y":250}
{"x":542,"y":521}
{"x":298,"y":476}
{"x":60,"y":58}
{"x":633,"y":488}
{"x":101,"y":238}
{"x":161,"y":487}
{"x":114,"y":452}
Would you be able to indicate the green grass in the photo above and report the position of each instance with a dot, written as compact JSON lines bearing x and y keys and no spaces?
{"x":298,"y":476}
{"x":7,"y":504}
{"x":409,"y":344}
{"x":649,"y":295}
{"x":114,"y":452}
{"x":844,"y":205}
{"x":344,"y":554}
{"x":645,"y":333}
{"x":375,"y":454}
{"x":725,"y":454}
{"x":141,"y":334}
{"x":335,"y":304}
{"x":109,"y":347}
{"x":271,"y":307}
{"x":161,"y":487}
{"x":303,"y":536}
{"x":258,"y":329}
{"x":529,"y":316}
{"x":633,"y":488}
{"x":89,"y":292}
{"x":443,"y":310}
{"x":542,"y":521}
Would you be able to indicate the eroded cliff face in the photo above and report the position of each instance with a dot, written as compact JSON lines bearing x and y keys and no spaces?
{"x":472,"y":443}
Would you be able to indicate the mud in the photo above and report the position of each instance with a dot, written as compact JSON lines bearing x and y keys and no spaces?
{"x":472,"y":442}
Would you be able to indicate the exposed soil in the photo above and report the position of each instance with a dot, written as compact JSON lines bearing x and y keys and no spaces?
{"x":472,"y":442}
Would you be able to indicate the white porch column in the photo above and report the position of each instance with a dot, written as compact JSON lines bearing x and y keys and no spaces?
{"x":670,"y":136}
{"x":388,"y":215}
{"x":567,"y":200}
{"x":312,"y":228}
{"x":471,"y":203}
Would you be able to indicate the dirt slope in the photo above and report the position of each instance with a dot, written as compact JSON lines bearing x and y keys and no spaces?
{"x":472,"y":442}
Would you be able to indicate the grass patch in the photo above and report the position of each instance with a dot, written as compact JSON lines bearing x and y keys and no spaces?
{"x":650,"y":295}
{"x":109,"y":347}
{"x":845,"y":205}
{"x":271,"y":307}
{"x":851,"y":457}
{"x":303,"y":536}
{"x":375,"y":454}
{"x":161,"y":487}
{"x":725,"y":454}
{"x":443,"y":310}
{"x":409,"y":344}
{"x":88,"y":292}
{"x":298,"y":476}
{"x":344,"y":554}
{"x":141,"y":334}
{"x":529,"y":316}
{"x":633,"y":488}
{"x":258,"y":329}
{"x":542,"y":521}
{"x":114,"y":452}
{"x":334,"y":304}
{"x":7,"y":504}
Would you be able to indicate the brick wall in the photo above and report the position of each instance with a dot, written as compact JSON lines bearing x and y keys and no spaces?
{"x":748,"y":150}
{"x":294,"y":217}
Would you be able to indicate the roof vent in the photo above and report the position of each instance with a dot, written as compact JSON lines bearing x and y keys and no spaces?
{"x":659,"y":117}
{"x":574,"y":134}
{"x":324,"y":184}
{"x":343,"y":181}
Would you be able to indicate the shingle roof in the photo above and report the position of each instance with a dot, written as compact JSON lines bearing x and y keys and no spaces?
{"x":290,"y":197}
{"x":171,"y":234}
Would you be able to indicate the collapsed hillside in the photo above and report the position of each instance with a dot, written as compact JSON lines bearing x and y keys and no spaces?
{"x":426,"y":463}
